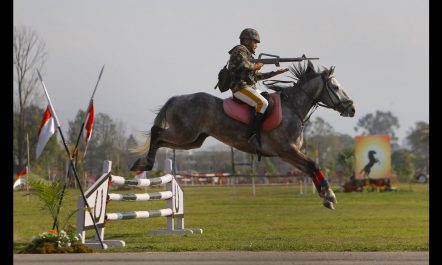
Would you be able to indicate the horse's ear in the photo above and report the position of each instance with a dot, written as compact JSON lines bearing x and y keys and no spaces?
{"x":331,"y":70}
{"x":310,"y":67}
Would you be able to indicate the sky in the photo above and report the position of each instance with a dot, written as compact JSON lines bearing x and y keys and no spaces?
{"x":153,"y":50}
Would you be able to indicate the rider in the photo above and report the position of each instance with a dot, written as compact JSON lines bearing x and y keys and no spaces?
{"x":245,"y":74}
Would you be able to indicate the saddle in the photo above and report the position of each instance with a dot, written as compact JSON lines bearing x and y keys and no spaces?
{"x":242,"y":112}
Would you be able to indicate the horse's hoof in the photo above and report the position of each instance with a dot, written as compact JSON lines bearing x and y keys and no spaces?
{"x":331,"y":197}
{"x":329,"y":205}
{"x":141,"y":165}
{"x":328,"y":195}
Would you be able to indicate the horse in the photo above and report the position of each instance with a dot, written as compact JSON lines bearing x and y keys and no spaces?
{"x":185,"y":121}
{"x":371,"y":161}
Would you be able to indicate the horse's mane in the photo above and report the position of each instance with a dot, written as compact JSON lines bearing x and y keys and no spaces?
{"x":298,"y":72}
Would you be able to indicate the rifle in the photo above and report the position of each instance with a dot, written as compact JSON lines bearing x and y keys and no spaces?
{"x":276,"y":60}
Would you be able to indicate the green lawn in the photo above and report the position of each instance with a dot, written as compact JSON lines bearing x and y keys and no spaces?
{"x":278,"y":218}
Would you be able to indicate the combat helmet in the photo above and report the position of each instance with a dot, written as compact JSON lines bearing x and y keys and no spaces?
{"x":250,"y":33}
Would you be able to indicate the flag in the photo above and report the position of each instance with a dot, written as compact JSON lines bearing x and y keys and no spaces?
{"x":47,"y":129}
{"x":18,"y":179}
{"x":89,"y":124}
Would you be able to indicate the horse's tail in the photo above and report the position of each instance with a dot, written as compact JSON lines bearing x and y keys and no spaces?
{"x":142,"y":149}
{"x":160,"y":121}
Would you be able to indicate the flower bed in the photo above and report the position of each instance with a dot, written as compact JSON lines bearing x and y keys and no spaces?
{"x":53,"y":242}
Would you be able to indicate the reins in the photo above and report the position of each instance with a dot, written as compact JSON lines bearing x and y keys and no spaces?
{"x":285,"y":96}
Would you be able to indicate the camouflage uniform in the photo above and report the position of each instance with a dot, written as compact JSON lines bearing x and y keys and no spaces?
{"x":243,"y":80}
{"x":242,"y":70}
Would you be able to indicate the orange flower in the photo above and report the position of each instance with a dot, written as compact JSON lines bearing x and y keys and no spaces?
{"x":52,"y":231}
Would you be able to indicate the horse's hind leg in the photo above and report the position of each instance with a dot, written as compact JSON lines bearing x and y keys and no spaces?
{"x":195,"y":144}
{"x":166,"y":138}
{"x":146,"y":163}
{"x":301,"y":161}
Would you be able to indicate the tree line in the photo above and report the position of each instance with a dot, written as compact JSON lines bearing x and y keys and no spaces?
{"x":108,"y":142}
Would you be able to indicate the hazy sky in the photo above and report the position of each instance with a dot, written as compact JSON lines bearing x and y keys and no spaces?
{"x":153,"y":50}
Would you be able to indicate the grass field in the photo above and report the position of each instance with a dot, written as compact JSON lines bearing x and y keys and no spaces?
{"x":278,"y":218}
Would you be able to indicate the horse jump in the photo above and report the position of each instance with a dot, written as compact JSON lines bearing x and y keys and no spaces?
{"x":98,"y":196}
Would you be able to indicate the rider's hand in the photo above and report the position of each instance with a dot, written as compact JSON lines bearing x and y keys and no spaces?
{"x":280,"y":71}
{"x":258,"y":66}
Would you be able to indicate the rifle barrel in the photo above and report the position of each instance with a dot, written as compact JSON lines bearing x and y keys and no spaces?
{"x":296,"y":59}
{"x":278,"y":60}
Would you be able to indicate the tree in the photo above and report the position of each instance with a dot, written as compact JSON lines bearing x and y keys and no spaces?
{"x":419,"y":140}
{"x":29,"y":55}
{"x":74,"y":128}
{"x":324,"y":145}
{"x":315,"y":131}
{"x":402,"y":161}
{"x":108,"y":142}
{"x":379,"y":123}
{"x":346,"y":163}
{"x":318,"y":127}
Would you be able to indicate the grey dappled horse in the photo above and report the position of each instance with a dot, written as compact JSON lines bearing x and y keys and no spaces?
{"x":185,"y":121}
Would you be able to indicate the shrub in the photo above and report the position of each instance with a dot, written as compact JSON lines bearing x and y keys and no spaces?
{"x":53,"y":242}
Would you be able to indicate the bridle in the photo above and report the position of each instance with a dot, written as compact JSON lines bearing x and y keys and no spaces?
{"x":336,"y":105}
{"x":331,"y":95}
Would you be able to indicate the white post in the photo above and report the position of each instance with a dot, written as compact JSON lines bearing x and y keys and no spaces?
{"x":180,"y":222}
{"x":313,"y":187}
{"x":300,"y":185}
{"x":107,"y":167}
{"x":306,"y":184}
{"x":253,"y":185}
{"x":168,"y":169}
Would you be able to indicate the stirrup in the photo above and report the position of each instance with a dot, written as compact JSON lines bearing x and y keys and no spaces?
{"x":253,"y":140}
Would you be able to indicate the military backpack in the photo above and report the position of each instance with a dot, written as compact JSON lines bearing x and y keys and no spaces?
{"x":224,"y":79}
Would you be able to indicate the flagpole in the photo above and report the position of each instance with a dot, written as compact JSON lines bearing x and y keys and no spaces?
{"x":70,"y":161}
{"x":75,"y":152}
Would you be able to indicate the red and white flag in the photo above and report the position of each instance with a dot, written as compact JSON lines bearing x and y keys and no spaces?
{"x":18,"y":179}
{"x":47,"y":129}
{"x":89,"y":124}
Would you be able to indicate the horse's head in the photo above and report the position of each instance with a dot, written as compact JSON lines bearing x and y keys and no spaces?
{"x":333,"y":95}
{"x":328,"y":92}
{"x":318,"y":88}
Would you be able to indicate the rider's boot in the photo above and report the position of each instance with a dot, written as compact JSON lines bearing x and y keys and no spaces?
{"x":255,"y":128}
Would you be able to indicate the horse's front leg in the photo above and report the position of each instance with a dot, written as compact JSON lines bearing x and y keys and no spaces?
{"x":298,"y":159}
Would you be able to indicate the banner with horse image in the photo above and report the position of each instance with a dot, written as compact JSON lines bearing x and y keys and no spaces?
{"x":372,"y":157}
